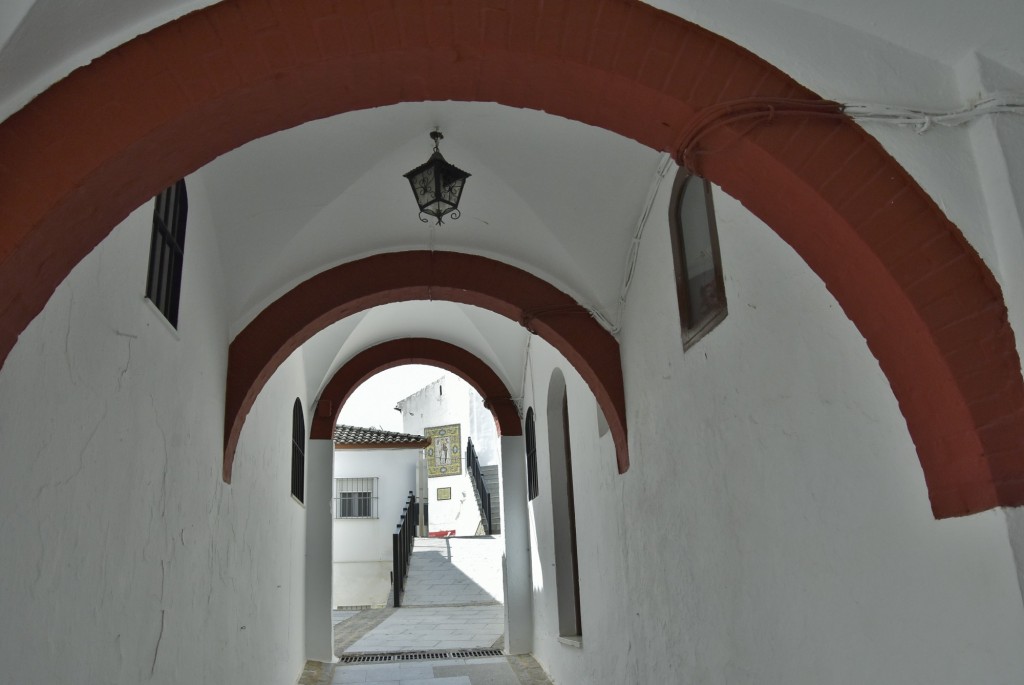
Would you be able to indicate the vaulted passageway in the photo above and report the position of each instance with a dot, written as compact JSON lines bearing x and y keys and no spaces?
{"x":865,"y":371}
{"x":902,"y":272}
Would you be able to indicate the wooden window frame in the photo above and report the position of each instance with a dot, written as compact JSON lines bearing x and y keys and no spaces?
{"x":695,"y":327}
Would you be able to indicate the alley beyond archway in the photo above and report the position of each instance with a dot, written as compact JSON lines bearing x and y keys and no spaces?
{"x":449,"y":629}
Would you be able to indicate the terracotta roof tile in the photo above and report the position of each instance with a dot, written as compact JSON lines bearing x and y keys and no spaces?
{"x":354,"y":436}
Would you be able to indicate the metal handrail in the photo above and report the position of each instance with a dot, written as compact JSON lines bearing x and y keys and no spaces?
{"x":484,"y":497}
{"x":401,"y":547}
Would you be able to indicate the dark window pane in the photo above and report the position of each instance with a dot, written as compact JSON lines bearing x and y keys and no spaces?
{"x":356,"y":498}
{"x":298,"y":452}
{"x":532,"y":479}
{"x":167,"y":247}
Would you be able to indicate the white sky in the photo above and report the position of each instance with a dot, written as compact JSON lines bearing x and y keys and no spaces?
{"x":372,"y":405}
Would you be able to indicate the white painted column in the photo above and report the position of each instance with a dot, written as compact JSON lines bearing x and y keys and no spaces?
{"x":319,"y":489}
{"x":515,"y":525}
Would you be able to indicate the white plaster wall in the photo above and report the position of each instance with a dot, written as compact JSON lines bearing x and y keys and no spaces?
{"x":126,"y":558}
{"x":774,"y":525}
{"x":600,"y":537}
{"x":483,"y":430}
{"x":444,"y":402}
{"x":370,"y":539}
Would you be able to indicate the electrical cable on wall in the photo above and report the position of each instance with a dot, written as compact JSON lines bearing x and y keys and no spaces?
{"x":634,"y":246}
{"x":993,"y":103}
{"x":520,"y":401}
{"x":752,"y":112}
{"x":760,"y":110}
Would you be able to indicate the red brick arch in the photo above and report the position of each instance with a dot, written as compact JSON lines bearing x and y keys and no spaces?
{"x":79,"y":158}
{"x":392,"y":353}
{"x":331,"y":295}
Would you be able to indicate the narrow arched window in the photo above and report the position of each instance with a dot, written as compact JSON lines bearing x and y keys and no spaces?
{"x":532,"y":479}
{"x":167,"y":251}
{"x":699,"y":280}
{"x":563,"y":512}
{"x":298,"y":452}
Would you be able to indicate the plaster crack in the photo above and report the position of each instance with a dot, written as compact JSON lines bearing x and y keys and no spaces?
{"x":159,"y":637}
{"x":81,"y":455}
{"x":128,"y":362}
{"x":163,"y":444}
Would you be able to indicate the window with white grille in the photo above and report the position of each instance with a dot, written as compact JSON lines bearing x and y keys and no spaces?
{"x":355,"y":498}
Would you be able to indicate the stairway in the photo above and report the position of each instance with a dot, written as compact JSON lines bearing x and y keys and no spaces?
{"x":490,"y":476}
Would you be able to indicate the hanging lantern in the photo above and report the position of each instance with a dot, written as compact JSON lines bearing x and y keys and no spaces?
{"x":437,"y":185}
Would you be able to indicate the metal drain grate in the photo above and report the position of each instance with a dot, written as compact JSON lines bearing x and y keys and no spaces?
{"x":389,"y":657}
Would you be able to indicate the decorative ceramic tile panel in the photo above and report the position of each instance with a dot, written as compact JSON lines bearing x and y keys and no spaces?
{"x":444,"y":456}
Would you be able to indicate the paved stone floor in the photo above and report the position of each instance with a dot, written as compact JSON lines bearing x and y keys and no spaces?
{"x":441,"y":627}
{"x":453,"y":600}
{"x":455,"y":572}
{"x":337,"y":616}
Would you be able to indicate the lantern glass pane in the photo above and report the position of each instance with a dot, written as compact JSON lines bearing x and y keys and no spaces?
{"x":423,"y":184}
{"x":451,"y":192}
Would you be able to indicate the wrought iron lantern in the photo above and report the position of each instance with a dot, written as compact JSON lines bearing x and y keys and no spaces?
{"x":437,"y":185}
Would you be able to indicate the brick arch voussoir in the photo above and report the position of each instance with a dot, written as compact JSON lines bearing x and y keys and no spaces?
{"x":165,"y":103}
{"x":258,"y":350}
{"x":392,"y":353}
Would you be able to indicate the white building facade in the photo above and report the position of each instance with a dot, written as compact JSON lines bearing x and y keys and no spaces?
{"x":451,"y":401}
{"x":374,"y":473}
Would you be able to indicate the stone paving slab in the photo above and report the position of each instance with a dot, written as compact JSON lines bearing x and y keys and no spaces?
{"x":412,"y":629}
{"x":476,"y":673}
{"x":339,"y":616}
{"x":454,"y":571}
{"x":353,"y":629}
{"x":453,"y":600}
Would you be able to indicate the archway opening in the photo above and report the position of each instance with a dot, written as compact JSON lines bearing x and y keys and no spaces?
{"x":454,"y":573}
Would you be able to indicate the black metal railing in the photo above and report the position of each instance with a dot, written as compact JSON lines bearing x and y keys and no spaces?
{"x":483,"y":497}
{"x":401,"y":547}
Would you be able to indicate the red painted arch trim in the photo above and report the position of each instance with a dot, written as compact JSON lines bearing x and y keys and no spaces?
{"x":288,"y":322}
{"x":394,"y":353}
{"x":164,"y":104}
